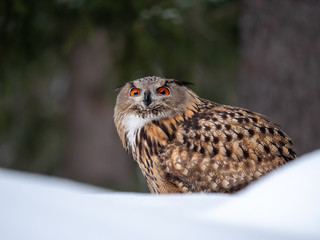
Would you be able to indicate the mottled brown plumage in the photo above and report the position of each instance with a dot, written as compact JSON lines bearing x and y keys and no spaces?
{"x":184,"y":143}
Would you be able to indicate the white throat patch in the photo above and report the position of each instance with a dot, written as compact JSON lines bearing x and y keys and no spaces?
{"x":132,"y":124}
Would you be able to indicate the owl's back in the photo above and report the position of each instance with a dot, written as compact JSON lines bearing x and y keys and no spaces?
{"x":222,"y":149}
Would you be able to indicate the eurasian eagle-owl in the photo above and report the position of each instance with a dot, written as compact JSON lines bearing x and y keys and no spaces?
{"x":184,"y":143}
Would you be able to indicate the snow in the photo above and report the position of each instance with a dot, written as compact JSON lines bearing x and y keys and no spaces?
{"x":281,"y":205}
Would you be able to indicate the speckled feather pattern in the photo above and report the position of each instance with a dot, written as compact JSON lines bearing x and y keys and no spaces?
{"x":207,"y":148}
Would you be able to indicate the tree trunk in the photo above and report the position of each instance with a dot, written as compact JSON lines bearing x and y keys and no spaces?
{"x":280,"y":66}
{"x":93,"y":152}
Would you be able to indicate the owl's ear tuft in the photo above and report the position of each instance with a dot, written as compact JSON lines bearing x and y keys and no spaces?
{"x":119,"y":88}
{"x":182,"y":83}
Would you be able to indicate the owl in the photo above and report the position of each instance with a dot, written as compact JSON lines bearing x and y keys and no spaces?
{"x":184,"y":143}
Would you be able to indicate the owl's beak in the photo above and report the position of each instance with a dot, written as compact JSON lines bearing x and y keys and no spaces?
{"x":147,"y":98}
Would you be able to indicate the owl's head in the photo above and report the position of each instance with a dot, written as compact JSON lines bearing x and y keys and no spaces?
{"x":153,"y":98}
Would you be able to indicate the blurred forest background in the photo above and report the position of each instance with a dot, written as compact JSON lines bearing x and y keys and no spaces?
{"x":60,"y":61}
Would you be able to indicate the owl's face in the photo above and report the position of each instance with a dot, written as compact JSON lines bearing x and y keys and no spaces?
{"x":152,"y":98}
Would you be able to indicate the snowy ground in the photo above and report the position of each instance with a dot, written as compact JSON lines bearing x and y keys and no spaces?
{"x":282,"y":205}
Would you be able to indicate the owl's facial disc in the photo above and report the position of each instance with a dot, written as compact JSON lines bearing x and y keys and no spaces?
{"x":150,"y":102}
{"x":153,"y":98}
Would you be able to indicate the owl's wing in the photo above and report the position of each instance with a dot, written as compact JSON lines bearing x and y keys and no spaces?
{"x":224,"y":149}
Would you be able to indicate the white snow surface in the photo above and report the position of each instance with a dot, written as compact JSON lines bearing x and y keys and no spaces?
{"x":282,"y":205}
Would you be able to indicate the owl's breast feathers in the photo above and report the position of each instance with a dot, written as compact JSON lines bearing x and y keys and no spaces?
{"x":209,"y":148}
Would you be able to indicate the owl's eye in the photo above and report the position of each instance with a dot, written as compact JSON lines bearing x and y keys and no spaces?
{"x":134,"y":92}
{"x":163,"y":91}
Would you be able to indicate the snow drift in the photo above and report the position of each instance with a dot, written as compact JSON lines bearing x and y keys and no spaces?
{"x":282,"y":205}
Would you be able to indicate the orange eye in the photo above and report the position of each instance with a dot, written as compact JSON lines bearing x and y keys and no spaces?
{"x":134,"y":92}
{"x":163,"y":91}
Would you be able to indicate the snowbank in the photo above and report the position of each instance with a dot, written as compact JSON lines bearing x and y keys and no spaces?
{"x":282,"y":205}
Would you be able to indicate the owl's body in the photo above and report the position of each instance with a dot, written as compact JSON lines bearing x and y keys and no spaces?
{"x":184,"y":143}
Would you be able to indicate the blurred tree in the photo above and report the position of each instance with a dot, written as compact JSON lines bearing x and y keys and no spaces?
{"x":60,"y":61}
{"x":279,"y":73}
{"x":91,"y":152}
